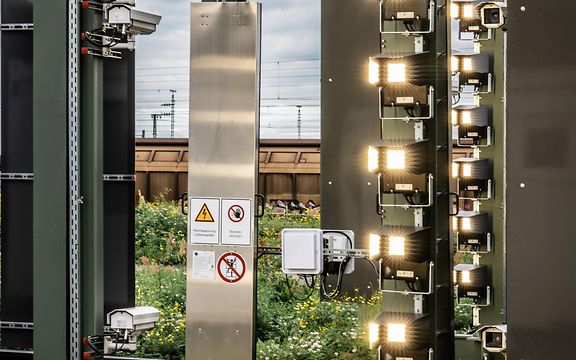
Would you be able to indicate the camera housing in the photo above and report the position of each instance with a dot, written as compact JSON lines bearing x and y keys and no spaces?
{"x":494,"y":338}
{"x":133,"y":319}
{"x":131,"y":20}
{"x":492,"y":14}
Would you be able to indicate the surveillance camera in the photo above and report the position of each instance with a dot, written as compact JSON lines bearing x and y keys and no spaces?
{"x":133,"y":319}
{"x":493,"y":338}
{"x":492,"y":14}
{"x":129,"y":20}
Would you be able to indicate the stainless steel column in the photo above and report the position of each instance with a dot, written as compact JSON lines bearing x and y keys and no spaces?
{"x":224,"y":116}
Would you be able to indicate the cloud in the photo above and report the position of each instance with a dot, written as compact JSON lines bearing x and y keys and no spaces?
{"x":291,"y":31}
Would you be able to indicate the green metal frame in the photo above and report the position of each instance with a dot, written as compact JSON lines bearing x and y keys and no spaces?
{"x":50,"y":250}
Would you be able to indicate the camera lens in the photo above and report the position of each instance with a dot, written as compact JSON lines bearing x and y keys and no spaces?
{"x":492,"y":16}
{"x":494,"y":340}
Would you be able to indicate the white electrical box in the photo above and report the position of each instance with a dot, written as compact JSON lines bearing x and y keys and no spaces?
{"x":302,"y":251}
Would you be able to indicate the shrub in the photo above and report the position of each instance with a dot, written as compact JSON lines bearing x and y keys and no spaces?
{"x":160,"y":233}
{"x":163,"y":287}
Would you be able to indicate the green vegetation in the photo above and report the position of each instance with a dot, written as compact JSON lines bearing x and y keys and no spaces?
{"x":163,"y":287}
{"x":160,"y":233}
{"x":291,"y":329}
{"x":286,"y":328}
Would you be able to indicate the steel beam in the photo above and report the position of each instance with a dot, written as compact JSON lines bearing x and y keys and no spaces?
{"x":50,"y":244}
{"x":92,"y":214}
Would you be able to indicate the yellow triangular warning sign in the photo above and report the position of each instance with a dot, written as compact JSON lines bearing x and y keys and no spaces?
{"x":204,"y":215}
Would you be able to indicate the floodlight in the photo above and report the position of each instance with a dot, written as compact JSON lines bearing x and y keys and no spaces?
{"x":471,"y":63}
{"x":403,"y":166}
{"x":373,"y":334}
{"x":472,"y":168}
{"x":472,"y":69}
{"x":396,"y":333}
{"x":400,"y":69}
{"x":396,"y":246}
{"x":397,"y":73}
{"x":454,"y":11}
{"x":473,"y":177}
{"x":374,"y":246}
{"x":465,"y":224}
{"x":394,"y":10}
{"x":470,"y":222}
{"x":403,"y":252}
{"x":468,"y":11}
{"x":401,"y":244}
{"x":466,"y":117}
{"x":471,"y":280}
{"x":410,"y":158}
{"x":400,"y":332}
{"x":465,"y":277}
{"x":373,"y":159}
{"x":469,"y":116}
{"x":465,"y":11}
{"x":403,"y":78}
{"x":373,"y":72}
{"x":395,"y":159}
{"x":472,"y":232}
{"x":473,"y":125}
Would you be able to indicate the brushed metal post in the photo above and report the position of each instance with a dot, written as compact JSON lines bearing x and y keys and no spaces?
{"x":223,"y":163}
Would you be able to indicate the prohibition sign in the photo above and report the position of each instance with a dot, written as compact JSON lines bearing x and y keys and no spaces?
{"x":231,"y":267}
{"x":236,"y":213}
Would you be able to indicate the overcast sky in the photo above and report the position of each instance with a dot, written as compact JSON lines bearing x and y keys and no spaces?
{"x":290,"y":68}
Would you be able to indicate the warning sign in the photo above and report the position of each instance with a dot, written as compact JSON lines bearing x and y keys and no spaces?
{"x":236,"y":221}
{"x":231,"y":267}
{"x":205,"y":226}
{"x":204,"y":215}
{"x":236,"y":213}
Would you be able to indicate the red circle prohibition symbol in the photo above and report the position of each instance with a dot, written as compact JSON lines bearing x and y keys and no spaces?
{"x":231,"y":267}
{"x":236,"y":213}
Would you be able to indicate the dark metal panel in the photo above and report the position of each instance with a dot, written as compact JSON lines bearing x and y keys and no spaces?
{"x":16,"y":11}
{"x":119,"y":153}
{"x":50,"y":221}
{"x":16,"y":261}
{"x":16,"y":97}
{"x":349,"y":124}
{"x":119,"y":114}
{"x":16,"y":204}
{"x":541,"y":173}
{"x":119,"y":272}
